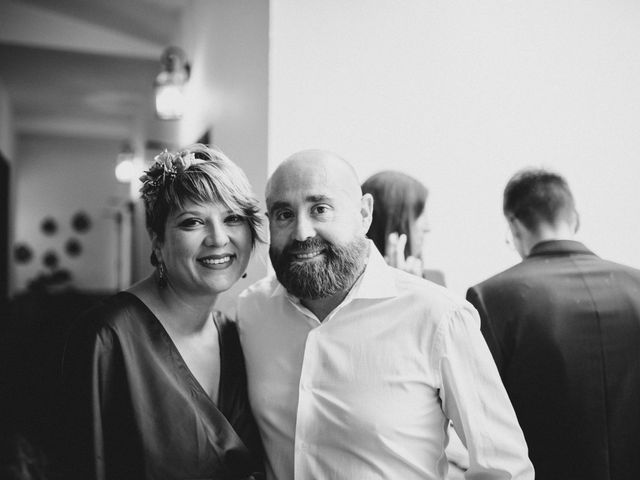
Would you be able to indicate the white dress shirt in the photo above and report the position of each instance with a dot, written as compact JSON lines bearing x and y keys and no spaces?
{"x":368,"y":392}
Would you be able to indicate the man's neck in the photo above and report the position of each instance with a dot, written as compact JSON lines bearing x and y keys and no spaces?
{"x":321,"y":307}
{"x":546,"y":234}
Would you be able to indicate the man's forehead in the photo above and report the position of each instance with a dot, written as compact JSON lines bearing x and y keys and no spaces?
{"x":299,"y":195}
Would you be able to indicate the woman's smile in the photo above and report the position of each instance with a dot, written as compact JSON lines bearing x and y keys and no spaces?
{"x":217,"y":261}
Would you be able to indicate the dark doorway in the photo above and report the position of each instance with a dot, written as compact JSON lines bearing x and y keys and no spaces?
{"x":4,"y":230}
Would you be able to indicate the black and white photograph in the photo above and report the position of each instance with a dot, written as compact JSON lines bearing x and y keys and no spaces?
{"x":319,"y":240}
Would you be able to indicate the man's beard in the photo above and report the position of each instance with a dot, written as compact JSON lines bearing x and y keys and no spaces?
{"x":312,"y":279}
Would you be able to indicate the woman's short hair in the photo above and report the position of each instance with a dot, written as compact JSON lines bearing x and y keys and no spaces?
{"x":198,"y":174}
{"x":398,"y":200}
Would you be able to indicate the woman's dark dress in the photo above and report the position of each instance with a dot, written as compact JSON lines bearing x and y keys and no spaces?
{"x":137,"y":412}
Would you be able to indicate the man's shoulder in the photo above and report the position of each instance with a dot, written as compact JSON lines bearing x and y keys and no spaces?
{"x":620,"y":267}
{"x":544,"y":272}
{"x":265,"y":287}
{"x":510,"y":276}
{"x":259,"y":297}
{"x":433,"y":297}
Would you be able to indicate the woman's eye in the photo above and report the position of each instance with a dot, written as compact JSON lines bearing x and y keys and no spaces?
{"x":190,"y":222}
{"x":234,"y":219}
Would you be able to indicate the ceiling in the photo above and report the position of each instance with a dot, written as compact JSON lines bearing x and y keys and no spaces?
{"x":83,"y":67}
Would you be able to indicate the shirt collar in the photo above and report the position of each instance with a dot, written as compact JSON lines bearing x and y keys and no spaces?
{"x":377,"y":280}
{"x":558,"y":247}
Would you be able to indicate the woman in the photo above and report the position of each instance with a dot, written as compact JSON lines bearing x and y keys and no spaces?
{"x":400,"y":221}
{"x":155,"y":375}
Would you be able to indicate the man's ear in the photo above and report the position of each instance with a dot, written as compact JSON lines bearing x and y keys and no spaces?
{"x":576,"y":219}
{"x":366,"y":210}
{"x":523,"y":238}
{"x":515,"y":227}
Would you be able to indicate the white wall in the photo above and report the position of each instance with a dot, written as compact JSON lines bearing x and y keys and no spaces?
{"x":227,"y":43}
{"x":57,"y":177}
{"x":462,"y":94}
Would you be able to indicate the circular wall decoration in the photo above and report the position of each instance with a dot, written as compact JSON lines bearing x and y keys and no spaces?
{"x":73,"y":247}
{"x":22,"y":253}
{"x":50,"y":259}
{"x":81,"y":222}
{"x":49,"y":226}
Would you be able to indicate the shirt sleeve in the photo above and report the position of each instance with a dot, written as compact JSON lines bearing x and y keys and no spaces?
{"x":476,"y":402}
{"x":488,"y":329}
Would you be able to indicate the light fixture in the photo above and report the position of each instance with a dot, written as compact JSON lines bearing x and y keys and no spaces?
{"x":125,"y":167}
{"x":170,"y":82}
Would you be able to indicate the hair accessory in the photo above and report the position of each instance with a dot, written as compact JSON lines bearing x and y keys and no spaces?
{"x":162,"y":275}
{"x":164,"y":169}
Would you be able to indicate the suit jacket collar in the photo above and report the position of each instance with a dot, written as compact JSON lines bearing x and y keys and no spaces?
{"x":558,"y":247}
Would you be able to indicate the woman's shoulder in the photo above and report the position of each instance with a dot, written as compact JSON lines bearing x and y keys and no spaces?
{"x":112,"y":313}
{"x":226,"y":326}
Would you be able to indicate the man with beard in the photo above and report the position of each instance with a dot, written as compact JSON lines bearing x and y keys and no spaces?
{"x":355,"y":369}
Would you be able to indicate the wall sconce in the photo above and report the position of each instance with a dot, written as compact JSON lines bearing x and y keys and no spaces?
{"x":125,"y":168}
{"x":170,"y":82}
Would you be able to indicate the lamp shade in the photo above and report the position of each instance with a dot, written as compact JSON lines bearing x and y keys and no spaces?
{"x":125,"y":168}
{"x":170,"y":84}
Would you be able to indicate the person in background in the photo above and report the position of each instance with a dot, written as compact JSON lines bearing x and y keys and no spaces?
{"x":398,"y":227}
{"x":399,"y":221}
{"x":355,"y":368}
{"x":564,"y":329}
{"x":155,"y":377}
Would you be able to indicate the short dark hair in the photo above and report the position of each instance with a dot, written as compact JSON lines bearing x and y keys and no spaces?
{"x":398,"y":200}
{"x":537,"y":196}
{"x":210,"y":177}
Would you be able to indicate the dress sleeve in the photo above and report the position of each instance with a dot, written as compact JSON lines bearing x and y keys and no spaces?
{"x":234,"y":402}
{"x":96,"y":404}
{"x":475,"y":400}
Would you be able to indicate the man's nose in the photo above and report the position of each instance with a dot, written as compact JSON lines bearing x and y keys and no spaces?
{"x":303,"y":228}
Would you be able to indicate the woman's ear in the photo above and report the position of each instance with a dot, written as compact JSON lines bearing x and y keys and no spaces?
{"x":156,"y":244}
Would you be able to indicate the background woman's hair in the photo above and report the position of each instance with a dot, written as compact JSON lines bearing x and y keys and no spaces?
{"x":398,"y":200}
{"x":216,"y":179}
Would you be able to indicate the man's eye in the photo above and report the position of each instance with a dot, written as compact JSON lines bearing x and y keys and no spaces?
{"x":284,"y":215}
{"x":322,"y":209}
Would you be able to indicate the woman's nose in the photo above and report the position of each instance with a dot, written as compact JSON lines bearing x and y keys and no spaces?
{"x":217,"y":236}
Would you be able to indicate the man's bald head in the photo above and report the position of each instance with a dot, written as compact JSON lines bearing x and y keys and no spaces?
{"x":309,"y":166}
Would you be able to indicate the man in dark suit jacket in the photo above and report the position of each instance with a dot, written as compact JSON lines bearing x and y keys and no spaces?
{"x":564,"y":329}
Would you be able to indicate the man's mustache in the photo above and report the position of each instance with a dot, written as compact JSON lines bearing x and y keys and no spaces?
{"x":308,"y":245}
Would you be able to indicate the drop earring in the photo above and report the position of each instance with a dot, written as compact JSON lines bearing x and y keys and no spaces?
{"x":162,"y":275}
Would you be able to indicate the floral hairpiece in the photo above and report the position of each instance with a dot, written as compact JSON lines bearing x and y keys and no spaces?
{"x":165,"y":167}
